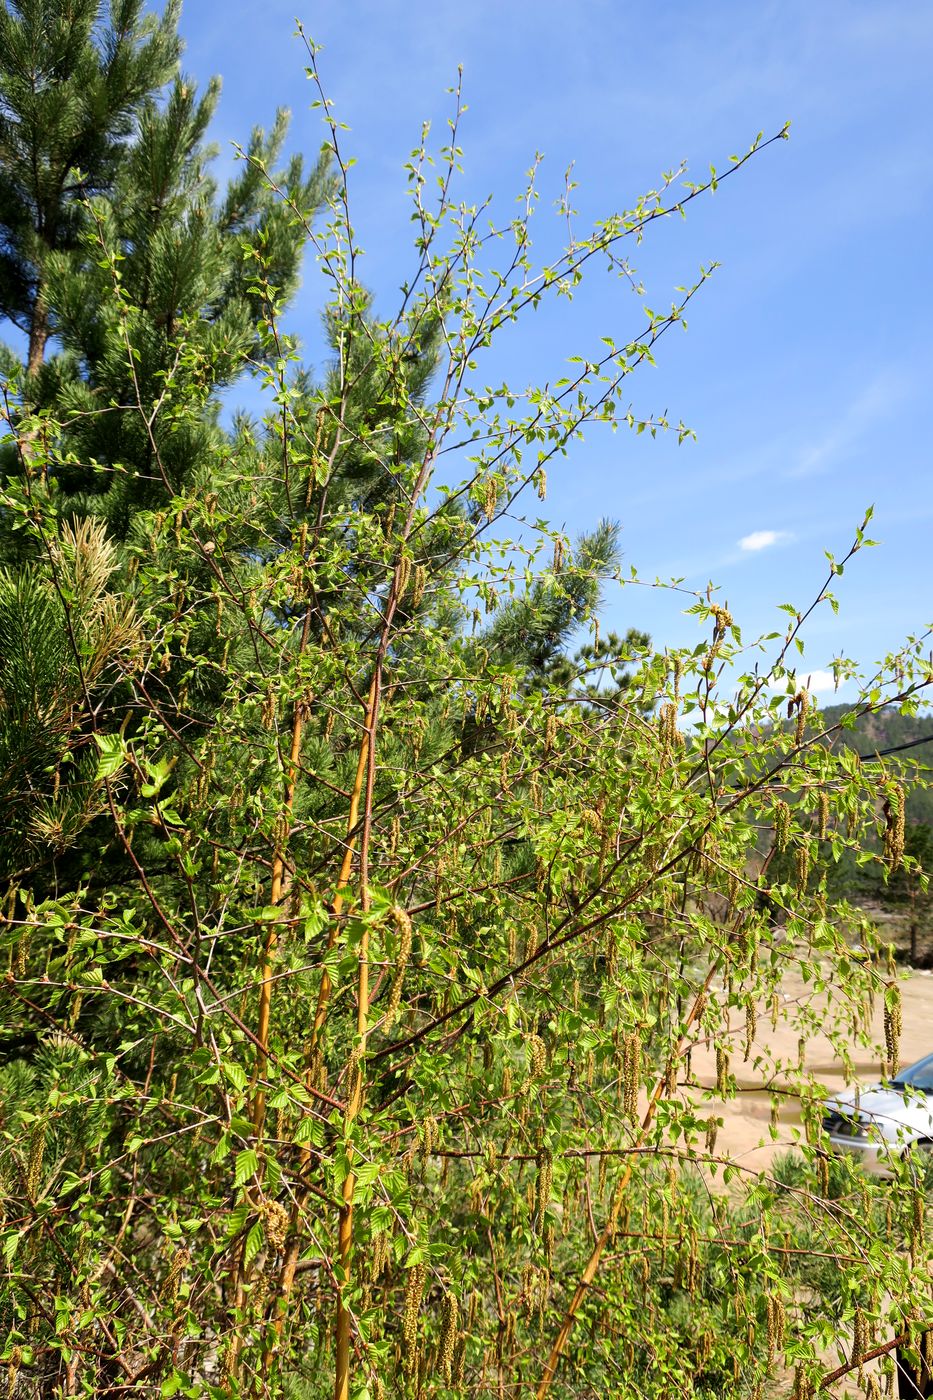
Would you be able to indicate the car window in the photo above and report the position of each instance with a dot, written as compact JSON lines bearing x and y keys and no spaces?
{"x":919,"y":1076}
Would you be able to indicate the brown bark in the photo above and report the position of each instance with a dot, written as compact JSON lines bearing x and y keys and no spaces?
{"x":38,"y":335}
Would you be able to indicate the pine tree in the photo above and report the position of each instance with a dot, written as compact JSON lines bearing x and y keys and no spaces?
{"x":184,"y":273}
{"x":153,"y":282}
{"x":73,"y":74}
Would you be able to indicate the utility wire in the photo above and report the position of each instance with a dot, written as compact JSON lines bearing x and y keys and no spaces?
{"x":898,"y":748}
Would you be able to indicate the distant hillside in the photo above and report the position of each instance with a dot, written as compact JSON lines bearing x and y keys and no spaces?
{"x":886,"y":730}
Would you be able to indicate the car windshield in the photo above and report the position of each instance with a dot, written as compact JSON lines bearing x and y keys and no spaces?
{"x":918,"y":1076}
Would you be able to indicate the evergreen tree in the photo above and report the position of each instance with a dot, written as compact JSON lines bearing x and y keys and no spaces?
{"x":73,"y":74}
{"x":147,"y":253}
{"x":182,"y":272}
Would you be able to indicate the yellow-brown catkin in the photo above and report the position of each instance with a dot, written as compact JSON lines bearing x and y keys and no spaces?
{"x":776,"y":1321}
{"x":378,"y":1254}
{"x":269,"y":709}
{"x":490,"y":497}
{"x":276,"y":1224}
{"x":550,"y":731}
{"x":180,"y":1260}
{"x":449,"y":1329}
{"x":802,"y":700}
{"x":781,"y":825}
{"x":419,"y":579}
{"x":428,"y":1138}
{"x":631,"y":1074}
{"x":712,"y":1131}
{"x":418,"y":727}
{"x":803,"y":1386}
{"x":12,"y":1371}
{"x":543,"y":1188}
{"x":751,"y":1026}
{"x":861,"y":1339}
{"x":667,"y":728}
{"x":537,"y":1056}
{"x":403,"y":928}
{"x":802,"y":860}
{"x":722,"y":1071}
{"x":918,"y":1207}
{"x":34,"y":1165}
{"x":540,"y":479}
{"x":892,"y":1025}
{"x":893,"y":808}
{"x":823,"y":815}
{"x":414,"y":1291}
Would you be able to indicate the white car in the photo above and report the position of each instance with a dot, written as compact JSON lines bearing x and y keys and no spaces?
{"x":881,"y":1123}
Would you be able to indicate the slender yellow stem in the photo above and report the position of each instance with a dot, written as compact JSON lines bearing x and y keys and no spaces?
{"x":276,"y":894}
{"x":288,"y":1270}
{"x":355,"y":1099}
{"x":343,"y":879}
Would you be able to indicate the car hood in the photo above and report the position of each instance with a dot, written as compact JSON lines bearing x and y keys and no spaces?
{"x":888,"y":1108}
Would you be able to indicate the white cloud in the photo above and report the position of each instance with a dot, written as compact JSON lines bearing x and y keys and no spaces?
{"x":818,"y":682}
{"x":815,"y":682}
{"x":760,"y":539}
{"x":879,"y":400}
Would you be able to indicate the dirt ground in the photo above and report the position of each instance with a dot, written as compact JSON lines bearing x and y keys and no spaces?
{"x":745,"y":1136}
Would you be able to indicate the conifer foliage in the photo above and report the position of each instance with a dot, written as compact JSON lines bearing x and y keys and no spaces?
{"x":364,"y":910}
{"x":73,"y":74}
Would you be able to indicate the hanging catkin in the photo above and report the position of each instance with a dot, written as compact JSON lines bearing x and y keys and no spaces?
{"x":823,"y":815}
{"x":776,"y":1320}
{"x":892,"y":1025}
{"x":414,"y":1289}
{"x":404,"y":930}
{"x":861,"y":1340}
{"x":781,"y":825}
{"x":722,"y":1071}
{"x":631,"y":1074}
{"x":543,"y":1186}
{"x":751,"y":1026}
{"x":450,"y":1317}
{"x":537,"y":1057}
{"x":893,"y":809}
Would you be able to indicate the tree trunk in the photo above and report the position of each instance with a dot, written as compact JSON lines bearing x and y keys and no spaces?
{"x":38,"y":335}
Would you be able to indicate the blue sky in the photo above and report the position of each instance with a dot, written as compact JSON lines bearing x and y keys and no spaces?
{"x":807,"y":365}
